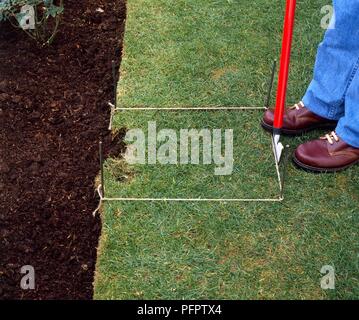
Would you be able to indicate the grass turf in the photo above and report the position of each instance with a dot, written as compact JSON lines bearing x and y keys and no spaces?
{"x":207,"y":53}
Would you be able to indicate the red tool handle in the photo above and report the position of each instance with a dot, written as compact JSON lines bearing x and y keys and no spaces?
{"x":284,"y":63}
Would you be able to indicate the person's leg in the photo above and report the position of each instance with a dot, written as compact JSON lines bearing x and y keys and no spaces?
{"x":348,"y":126}
{"x":336,"y":64}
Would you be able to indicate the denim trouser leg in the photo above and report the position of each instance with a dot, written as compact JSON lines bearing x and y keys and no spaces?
{"x":333,"y":92}
{"x":348,"y":126}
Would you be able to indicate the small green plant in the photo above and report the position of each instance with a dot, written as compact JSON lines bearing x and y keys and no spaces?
{"x":40,"y":19}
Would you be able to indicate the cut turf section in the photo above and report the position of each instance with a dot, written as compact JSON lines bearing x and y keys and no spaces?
{"x":237,"y":179}
{"x":218,"y":53}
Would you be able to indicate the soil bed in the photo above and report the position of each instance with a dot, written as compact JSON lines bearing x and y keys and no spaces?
{"x":53,"y":111}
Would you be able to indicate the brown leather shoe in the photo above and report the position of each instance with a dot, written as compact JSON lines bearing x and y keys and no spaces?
{"x":297,"y":120}
{"x":327,"y":154}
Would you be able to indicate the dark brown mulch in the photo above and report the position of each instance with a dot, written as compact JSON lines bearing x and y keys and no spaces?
{"x":53,"y":111}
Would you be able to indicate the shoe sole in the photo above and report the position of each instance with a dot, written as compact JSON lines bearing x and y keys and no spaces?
{"x":306,"y":167}
{"x":292,"y":133}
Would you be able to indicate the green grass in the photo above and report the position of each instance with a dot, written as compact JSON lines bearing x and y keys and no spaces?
{"x":207,"y":53}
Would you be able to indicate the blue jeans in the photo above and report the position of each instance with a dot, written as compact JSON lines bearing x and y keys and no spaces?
{"x":334,"y":90}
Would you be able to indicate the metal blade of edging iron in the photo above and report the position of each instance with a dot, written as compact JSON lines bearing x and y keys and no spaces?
{"x":277,"y":146}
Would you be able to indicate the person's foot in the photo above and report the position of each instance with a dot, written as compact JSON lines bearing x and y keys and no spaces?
{"x":297,"y":120}
{"x":327,"y":154}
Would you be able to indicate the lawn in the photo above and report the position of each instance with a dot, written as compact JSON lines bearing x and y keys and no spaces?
{"x":200,"y":53}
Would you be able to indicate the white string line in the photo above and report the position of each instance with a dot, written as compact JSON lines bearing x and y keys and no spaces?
{"x":189,"y":200}
{"x":188,"y":108}
{"x":114,"y":109}
{"x":105,"y":199}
